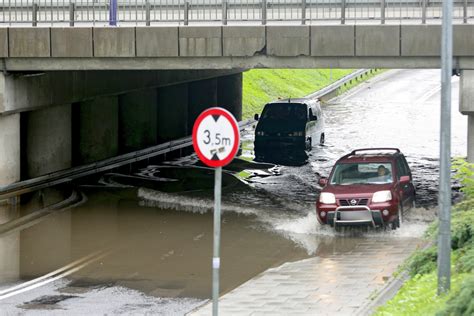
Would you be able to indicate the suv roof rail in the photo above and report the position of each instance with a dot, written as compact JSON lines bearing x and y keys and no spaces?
{"x":355,"y":151}
{"x":396,"y":150}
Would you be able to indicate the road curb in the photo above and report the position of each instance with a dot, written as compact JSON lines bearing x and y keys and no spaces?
{"x":389,"y":290}
{"x":384,"y":295}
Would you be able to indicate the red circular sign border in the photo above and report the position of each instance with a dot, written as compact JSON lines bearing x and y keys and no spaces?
{"x":235,"y":128}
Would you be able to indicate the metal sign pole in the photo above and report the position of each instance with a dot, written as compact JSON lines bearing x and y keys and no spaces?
{"x":216,"y":261}
{"x":444,"y":200}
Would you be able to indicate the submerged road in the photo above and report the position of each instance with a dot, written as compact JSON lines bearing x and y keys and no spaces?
{"x":146,"y":248}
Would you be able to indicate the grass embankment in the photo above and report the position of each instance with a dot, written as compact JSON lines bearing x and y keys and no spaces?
{"x":261,"y":86}
{"x":419,"y":296}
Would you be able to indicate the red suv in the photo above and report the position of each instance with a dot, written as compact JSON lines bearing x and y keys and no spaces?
{"x":370,"y":186}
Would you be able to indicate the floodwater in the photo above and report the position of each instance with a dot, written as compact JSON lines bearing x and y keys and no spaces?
{"x":142,"y":242}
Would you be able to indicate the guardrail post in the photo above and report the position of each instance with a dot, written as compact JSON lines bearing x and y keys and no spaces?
{"x":224,"y":12}
{"x":423,"y":11}
{"x":343,"y":11}
{"x":264,"y":12}
{"x":464,"y":11}
{"x":72,"y":8}
{"x":186,"y":13}
{"x":382,"y":11}
{"x":147,"y":12}
{"x":303,"y":12}
{"x":35,"y":15}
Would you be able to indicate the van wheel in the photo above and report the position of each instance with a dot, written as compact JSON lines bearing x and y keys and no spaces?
{"x":322,"y":139}
{"x":309,"y":144}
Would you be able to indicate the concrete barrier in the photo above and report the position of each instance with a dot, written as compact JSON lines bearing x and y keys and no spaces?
{"x":243,"y":40}
{"x":114,"y":42}
{"x":3,"y":43}
{"x":420,"y":40}
{"x":200,"y":41}
{"x":333,"y":40}
{"x":377,"y":40}
{"x":29,"y":42}
{"x":71,"y":42}
{"x":288,"y":41}
{"x":157,"y":41}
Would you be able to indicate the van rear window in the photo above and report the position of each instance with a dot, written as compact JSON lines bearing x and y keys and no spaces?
{"x":285,"y":111}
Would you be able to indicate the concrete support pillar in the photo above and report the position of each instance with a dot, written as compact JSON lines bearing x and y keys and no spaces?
{"x":9,"y":247}
{"x":466,"y":107}
{"x":9,"y":149}
{"x":201,"y":95}
{"x":172,"y":112}
{"x":46,"y":140}
{"x":229,"y":94}
{"x":138,"y":120}
{"x":95,"y":130}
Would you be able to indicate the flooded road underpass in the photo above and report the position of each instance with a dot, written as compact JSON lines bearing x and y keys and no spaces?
{"x":141,"y":243}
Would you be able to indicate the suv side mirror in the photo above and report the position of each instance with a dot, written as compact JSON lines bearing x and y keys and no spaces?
{"x":255,"y":117}
{"x":323,"y":181}
{"x":404,"y":179}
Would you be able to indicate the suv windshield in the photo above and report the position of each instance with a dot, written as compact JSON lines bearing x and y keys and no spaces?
{"x":367,"y":173}
{"x":285,"y":111}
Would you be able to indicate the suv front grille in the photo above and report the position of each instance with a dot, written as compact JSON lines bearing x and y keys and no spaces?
{"x":347,"y":202}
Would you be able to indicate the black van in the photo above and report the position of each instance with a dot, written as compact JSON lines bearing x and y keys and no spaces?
{"x":287,"y":128}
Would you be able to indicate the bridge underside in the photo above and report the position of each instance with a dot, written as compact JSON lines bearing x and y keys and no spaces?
{"x":52,"y":121}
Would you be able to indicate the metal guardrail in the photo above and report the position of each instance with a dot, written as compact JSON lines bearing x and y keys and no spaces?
{"x":184,"y":12}
{"x":68,"y":175}
{"x":329,"y":89}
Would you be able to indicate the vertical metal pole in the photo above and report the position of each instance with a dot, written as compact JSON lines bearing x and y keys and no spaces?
{"x":113,"y":13}
{"x":264,"y":12}
{"x":382,"y":11}
{"x":224,"y":12}
{"x":72,"y":8}
{"x":343,"y":11}
{"x":216,"y":260}
{"x":464,"y":11}
{"x":35,"y":15}
{"x":423,"y":11}
{"x":186,"y":13}
{"x":303,"y":12}
{"x":444,"y":200}
{"x":147,"y":12}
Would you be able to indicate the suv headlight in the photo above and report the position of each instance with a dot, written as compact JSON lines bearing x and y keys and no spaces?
{"x":327,"y":198}
{"x":260,"y":133}
{"x":382,"y":196}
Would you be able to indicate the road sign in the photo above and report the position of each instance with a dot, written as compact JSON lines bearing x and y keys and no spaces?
{"x":216,"y":137}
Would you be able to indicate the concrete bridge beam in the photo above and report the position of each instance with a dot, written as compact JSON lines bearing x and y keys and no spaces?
{"x":201,"y":95}
{"x":10,"y":149}
{"x":229,"y":94}
{"x":172,"y":113}
{"x":138,"y":120}
{"x":95,"y":129}
{"x":46,"y":140}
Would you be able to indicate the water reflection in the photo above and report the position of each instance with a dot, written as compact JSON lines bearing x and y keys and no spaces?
{"x":9,"y":245}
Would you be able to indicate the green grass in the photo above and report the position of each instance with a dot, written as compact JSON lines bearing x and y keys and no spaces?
{"x":418,"y":296}
{"x":261,"y":86}
{"x":356,"y":82}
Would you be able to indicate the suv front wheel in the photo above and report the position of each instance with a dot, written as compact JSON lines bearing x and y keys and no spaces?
{"x":398,"y":221}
